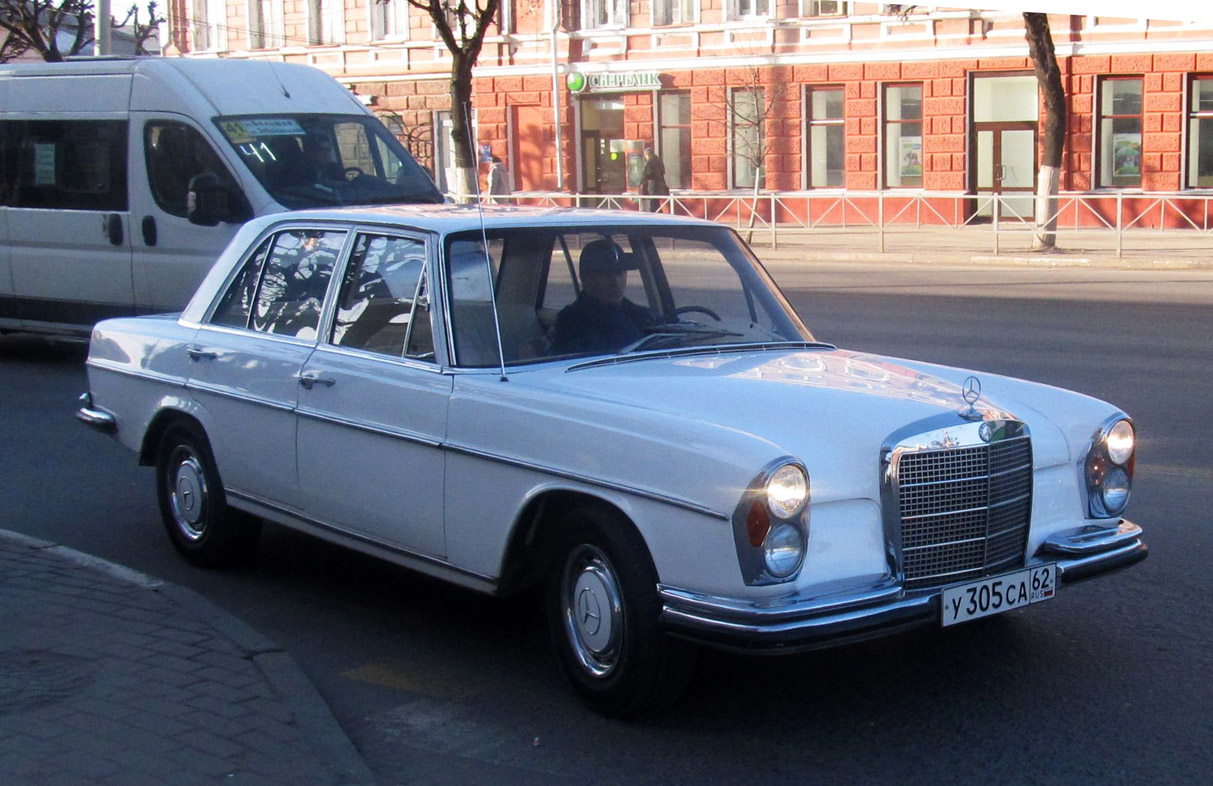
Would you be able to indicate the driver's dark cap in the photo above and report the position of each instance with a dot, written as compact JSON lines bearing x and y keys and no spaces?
{"x":604,"y":256}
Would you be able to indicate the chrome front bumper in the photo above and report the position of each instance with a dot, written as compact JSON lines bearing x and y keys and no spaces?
{"x":94,"y":417}
{"x":792,"y":623}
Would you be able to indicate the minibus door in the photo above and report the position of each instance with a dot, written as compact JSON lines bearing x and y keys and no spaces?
{"x":68,"y":222}
{"x":171,"y":255}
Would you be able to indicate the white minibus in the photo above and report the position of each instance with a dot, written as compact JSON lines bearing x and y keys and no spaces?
{"x":122,"y":180}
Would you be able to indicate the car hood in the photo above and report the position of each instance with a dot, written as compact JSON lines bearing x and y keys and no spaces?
{"x":833,"y":409}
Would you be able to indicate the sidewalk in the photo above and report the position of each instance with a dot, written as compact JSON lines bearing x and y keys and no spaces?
{"x":111,"y":677}
{"x":1142,"y":250}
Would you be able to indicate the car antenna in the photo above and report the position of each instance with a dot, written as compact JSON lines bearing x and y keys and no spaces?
{"x":484,"y":239}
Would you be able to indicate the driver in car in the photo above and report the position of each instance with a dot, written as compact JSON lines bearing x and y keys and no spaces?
{"x":601,"y":320}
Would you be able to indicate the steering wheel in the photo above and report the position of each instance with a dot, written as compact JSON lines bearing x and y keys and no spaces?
{"x":693,"y":309}
{"x":352,"y":172}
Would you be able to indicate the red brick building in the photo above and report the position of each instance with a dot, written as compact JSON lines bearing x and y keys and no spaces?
{"x":800,"y":96}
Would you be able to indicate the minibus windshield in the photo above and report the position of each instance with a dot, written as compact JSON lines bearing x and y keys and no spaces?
{"x":325,"y":160}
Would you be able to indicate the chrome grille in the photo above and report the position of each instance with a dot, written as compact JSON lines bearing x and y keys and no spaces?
{"x":964,"y":511}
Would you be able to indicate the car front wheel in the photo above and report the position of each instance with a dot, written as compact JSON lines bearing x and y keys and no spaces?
{"x":602,"y":611}
{"x":199,"y":522}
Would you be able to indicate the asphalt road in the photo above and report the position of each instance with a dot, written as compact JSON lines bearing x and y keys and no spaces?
{"x":1108,"y":684}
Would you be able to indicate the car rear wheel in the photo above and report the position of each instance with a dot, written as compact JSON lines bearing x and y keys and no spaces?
{"x":602,"y":612}
{"x":192,"y":503}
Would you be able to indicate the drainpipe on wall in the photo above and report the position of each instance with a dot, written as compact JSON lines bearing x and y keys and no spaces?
{"x":556,"y":106}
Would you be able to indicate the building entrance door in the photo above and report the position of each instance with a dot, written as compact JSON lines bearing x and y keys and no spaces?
{"x":603,"y":148}
{"x":1003,"y":156}
{"x":1006,"y":167}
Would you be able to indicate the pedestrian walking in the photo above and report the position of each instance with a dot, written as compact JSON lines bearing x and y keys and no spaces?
{"x":652,"y":180}
{"x":499,"y":181}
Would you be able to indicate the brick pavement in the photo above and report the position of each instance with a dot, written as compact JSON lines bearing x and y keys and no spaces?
{"x":113,"y":678}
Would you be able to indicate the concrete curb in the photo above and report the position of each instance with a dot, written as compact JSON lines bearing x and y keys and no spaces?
{"x":291,"y":684}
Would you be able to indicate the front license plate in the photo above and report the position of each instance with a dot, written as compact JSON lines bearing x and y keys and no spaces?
{"x":999,"y":594}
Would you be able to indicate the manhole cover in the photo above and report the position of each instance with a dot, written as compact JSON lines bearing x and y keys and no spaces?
{"x":35,"y":678}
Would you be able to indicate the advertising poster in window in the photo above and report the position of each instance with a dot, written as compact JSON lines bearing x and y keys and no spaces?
{"x":911,"y":156}
{"x":1126,"y":154}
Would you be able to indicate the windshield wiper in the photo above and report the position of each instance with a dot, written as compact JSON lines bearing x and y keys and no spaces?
{"x":675,"y":334}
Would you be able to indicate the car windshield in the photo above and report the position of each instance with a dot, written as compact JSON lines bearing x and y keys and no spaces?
{"x":324,"y":160}
{"x":609,"y":291}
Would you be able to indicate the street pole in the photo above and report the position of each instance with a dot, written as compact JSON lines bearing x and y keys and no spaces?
{"x":102,"y":41}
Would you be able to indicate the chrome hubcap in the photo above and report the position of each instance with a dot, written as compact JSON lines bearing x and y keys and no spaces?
{"x":593,"y":610}
{"x":188,"y":497}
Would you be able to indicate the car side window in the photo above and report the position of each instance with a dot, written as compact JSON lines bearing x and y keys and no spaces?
{"x":237,"y":302}
{"x":289,"y":275}
{"x":383,"y":305}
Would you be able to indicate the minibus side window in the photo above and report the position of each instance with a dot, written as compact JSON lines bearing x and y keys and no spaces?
{"x":70,"y":164}
{"x":175,"y":154}
{"x":8,"y":154}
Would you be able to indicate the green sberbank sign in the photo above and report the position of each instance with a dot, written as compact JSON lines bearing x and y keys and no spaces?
{"x":581,"y":82}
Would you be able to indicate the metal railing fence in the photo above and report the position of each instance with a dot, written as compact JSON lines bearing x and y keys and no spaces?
{"x":1114,"y":221}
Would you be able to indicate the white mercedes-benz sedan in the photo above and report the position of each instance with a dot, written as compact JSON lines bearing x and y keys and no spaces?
{"x":621,"y":406}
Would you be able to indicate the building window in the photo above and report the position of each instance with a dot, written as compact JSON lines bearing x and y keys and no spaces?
{"x":746,"y":114}
{"x":206,"y":25}
{"x":603,"y":13}
{"x":389,"y":19}
{"x":673,"y":12}
{"x":675,"y":138}
{"x":749,"y":9}
{"x":1119,"y":154}
{"x":1200,"y":133}
{"x":825,"y":136}
{"x":326,"y":23}
{"x":265,"y":24}
{"x":903,"y":136}
{"x":825,"y":8}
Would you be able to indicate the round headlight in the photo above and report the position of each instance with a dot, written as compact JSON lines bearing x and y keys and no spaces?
{"x":787,"y":491}
{"x":1120,"y":442}
{"x":783,"y":550}
{"x":1115,"y":490}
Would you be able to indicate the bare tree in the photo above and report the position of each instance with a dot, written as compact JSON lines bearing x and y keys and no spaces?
{"x":748,"y":111}
{"x":462,"y":26}
{"x":1048,"y":76}
{"x":36,"y":25}
{"x":43,"y":25}
{"x":142,"y":32}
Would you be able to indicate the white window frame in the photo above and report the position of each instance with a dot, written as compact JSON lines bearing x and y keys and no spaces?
{"x":616,"y":13}
{"x":734,"y":159}
{"x":751,"y":9}
{"x":271,"y":34}
{"x":682,"y":12}
{"x":208,"y":25}
{"x":812,"y":122}
{"x":325,"y":22}
{"x":816,"y":9}
{"x":1192,"y":135}
{"x":388,"y":21}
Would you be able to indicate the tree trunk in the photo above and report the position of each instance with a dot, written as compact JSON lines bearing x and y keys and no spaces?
{"x":462,"y":180}
{"x":1048,"y":76}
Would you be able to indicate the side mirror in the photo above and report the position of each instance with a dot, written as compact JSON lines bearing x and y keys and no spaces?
{"x":209,"y":201}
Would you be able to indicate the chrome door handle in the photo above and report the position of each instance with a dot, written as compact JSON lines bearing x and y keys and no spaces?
{"x":198,"y":353}
{"x":311,"y":380}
